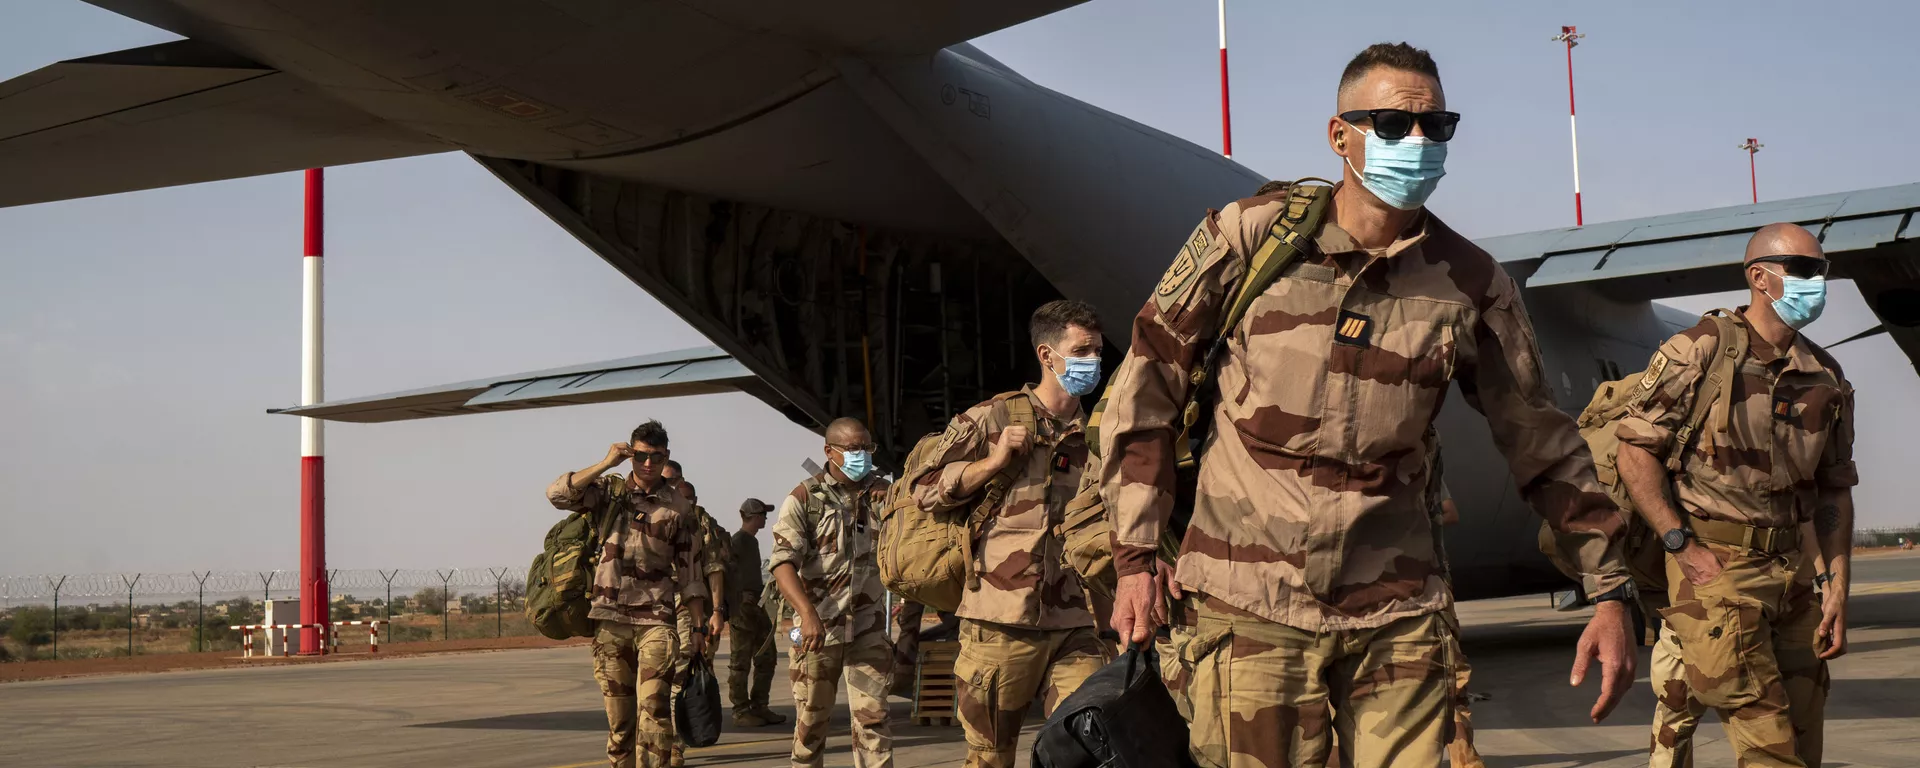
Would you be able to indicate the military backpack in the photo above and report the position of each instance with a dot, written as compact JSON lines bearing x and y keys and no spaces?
{"x":560,"y":582}
{"x":927,"y":557}
{"x":1599,"y":423}
{"x":1087,"y":528}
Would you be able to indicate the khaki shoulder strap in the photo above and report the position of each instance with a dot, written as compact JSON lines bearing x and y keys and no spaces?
{"x":1716,"y":387}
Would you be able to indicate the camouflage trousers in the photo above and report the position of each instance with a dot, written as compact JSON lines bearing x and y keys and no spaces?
{"x":751,"y":656}
{"x":1746,"y":642}
{"x":1264,"y":694}
{"x":1676,"y":713}
{"x":867,"y":665}
{"x":683,"y":624}
{"x":633,"y":665}
{"x":1460,"y":750}
{"x":906,"y":621}
{"x":1000,"y":671}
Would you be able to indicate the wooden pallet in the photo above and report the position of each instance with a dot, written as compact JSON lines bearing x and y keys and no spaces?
{"x":934,"y":689}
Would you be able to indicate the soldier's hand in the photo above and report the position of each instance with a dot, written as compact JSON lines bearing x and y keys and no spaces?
{"x":1014,"y":441}
{"x":618,"y":453}
{"x":1608,"y":639}
{"x":714,"y":625}
{"x":1136,"y":607}
{"x":1831,"y":640}
{"x":813,"y":636}
{"x":1699,"y":564}
{"x":698,"y":644}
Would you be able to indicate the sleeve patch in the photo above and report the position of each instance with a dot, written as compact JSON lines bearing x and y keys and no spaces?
{"x":1654,"y":368}
{"x":1185,"y":269}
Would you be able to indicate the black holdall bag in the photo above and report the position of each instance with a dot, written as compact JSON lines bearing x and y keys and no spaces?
{"x":1121,"y":717}
{"x":696,"y":713}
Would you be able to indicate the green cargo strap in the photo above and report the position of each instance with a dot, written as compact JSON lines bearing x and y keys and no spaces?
{"x":1019,"y":414}
{"x":1773,"y":541}
{"x":1730,"y":345}
{"x":1306,"y":206}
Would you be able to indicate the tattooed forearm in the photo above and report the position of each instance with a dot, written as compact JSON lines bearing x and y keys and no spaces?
{"x":1826,"y":519}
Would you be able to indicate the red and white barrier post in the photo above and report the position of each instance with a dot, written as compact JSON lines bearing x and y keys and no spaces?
{"x":314,"y":600}
{"x":1568,"y":36}
{"x":1226,"y":110}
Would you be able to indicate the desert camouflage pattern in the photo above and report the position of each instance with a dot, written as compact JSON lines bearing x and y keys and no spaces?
{"x":1746,"y":642}
{"x":1309,"y":508}
{"x":867,"y":665}
{"x":650,"y":554}
{"x":1000,"y":670}
{"x":632,"y":664}
{"x":1789,"y":435}
{"x":1461,"y":753}
{"x":907,"y":619}
{"x":1264,"y":694}
{"x":1676,"y":713}
{"x":827,"y":530}
{"x":716,"y":545}
{"x":684,"y":623}
{"x":1024,"y":580}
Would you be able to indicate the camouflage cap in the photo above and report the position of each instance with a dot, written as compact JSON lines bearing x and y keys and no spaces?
{"x":754,"y":507}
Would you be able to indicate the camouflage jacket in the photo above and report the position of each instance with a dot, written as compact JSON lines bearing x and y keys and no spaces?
{"x":650,"y":548}
{"x":1024,"y":578}
{"x":1311,"y":508}
{"x":1789,"y":433}
{"x":827,"y":530}
{"x":715,"y":549}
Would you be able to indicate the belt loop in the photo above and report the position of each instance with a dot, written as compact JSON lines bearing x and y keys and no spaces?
{"x":1747,"y":534}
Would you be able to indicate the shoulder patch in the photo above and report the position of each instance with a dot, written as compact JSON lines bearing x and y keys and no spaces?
{"x":1186,"y":267}
{"x":1654,"y":368}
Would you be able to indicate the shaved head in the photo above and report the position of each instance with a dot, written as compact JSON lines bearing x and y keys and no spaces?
{"x":1783,"y":239}
{"x":846,"y":430}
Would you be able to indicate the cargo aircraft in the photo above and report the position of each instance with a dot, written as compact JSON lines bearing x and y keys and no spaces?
{"x":857,"y":207}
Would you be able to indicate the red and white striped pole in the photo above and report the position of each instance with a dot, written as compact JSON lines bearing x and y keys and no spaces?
{"x":314,"y":608}
{"x":1226,"y":110}
{"x":1568,"y":36}
{"x":1753,"y":147}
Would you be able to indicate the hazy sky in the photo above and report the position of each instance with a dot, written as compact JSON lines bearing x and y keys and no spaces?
{"x":142,"y":336}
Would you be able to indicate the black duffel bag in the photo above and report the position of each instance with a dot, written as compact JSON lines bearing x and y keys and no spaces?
{"x":696,"y":712}
{"x":1121,"y":717}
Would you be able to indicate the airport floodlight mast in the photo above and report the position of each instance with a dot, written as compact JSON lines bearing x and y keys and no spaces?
{"x":314,"y":600}
{"x":1568,"y":36}
{"x":1753,"y":176}
{"x":1226,"y":110}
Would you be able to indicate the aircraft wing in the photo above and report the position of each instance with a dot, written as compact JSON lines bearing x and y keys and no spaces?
{"x":1870,"y":235}
{"x":701,"y":371}
{"x":174,"y":113}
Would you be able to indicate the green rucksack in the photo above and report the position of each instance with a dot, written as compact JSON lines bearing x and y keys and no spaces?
{"x":560,"y":583}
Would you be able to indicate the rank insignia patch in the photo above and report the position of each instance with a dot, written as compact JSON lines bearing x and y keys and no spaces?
{"x":1185,"y":268}
{"x":1782,"y":407}
{"x":1353,"y":329}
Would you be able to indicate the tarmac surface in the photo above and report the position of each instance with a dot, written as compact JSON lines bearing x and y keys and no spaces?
{"x":540,"y":708}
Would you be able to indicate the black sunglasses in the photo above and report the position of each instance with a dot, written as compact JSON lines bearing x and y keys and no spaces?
{"x":1803,"y":267}
{"x":650,"y":457}
{"x":1395,"y":124}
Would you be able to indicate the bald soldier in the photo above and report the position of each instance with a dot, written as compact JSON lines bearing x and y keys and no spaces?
{"x":1752,"y":637}
{"x":1308,"y":581}
{"x":823,"y":560}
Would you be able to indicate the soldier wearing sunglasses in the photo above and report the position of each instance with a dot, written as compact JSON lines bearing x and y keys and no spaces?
{"x":1752,"y":634}
{"x":651,"y":562}
{"x":1309,"y":601}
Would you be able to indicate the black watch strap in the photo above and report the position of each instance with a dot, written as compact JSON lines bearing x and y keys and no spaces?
{"x":1624,"y":592}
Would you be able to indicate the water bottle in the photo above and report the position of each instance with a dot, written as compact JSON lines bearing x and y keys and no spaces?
{"x":794,"y":635}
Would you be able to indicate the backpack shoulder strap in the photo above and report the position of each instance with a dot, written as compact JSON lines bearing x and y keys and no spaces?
{"x":1716,"y":387}
{"x":1286,"y":239}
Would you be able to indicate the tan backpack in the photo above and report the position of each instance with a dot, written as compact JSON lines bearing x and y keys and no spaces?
{"x":1086,"y":529}
{"x":928,"y":557}
{"x":1646,"y":559}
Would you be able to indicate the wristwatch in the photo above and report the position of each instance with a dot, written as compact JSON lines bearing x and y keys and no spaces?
{"x":1624,"y":593}
{"x":1675,"y":540}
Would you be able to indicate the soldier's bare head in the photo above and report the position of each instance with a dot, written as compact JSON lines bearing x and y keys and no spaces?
{"x":672,"y":471}
{"x":847,"y":430}
{"x":1063,"y":329}
{"x":849,"y":441}
{"x":1772,"y":243}
{"x":650,"y":454}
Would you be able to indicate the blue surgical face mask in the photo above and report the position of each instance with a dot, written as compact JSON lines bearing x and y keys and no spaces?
{"x":1081,"y":376}
{"x":1801,"y":299}
{"x":1403,"y":172}
{"x":856,"y":464}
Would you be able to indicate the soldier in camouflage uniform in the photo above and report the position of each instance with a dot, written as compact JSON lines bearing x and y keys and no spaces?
{"x":716,"y":554}
{"x":823,"y":560}
{"x":1752,"y":637}
{"x":1026,"y":627}
{"x":649,"y":562}
{"x":749,"y":629}
{"x":1312,"y":597}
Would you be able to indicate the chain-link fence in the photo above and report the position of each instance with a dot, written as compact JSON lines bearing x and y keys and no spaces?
{"x":89,"y":615}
